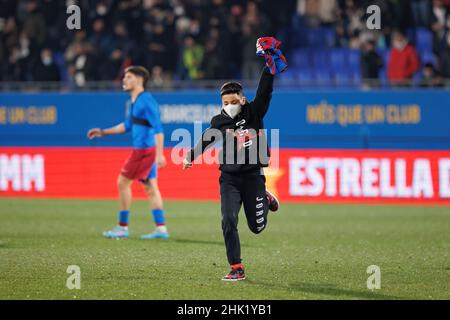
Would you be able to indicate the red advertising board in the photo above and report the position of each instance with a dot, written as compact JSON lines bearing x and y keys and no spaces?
{"x":322,"y":176}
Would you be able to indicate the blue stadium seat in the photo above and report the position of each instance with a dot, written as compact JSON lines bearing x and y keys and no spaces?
{"x":354,"y":56}
{"x":356,"y":77}
{"x":343,"y":78}
{"x":410,"y":34}
{"x":60,"y":61}
{"x":356,"y":74}
{"x":288,"y":78}
{"x":329,"y":37}
{"x":338,"y":59}
{"x":301,"y":36}
{"x":384,"y":53}
{"x":314,"y":38}
{"x":347,"y":78}
{"x":300,"y":58}
{"x":417,"y":78}
{"x":305,"y":77}
{"x":297,"y":22}
{"x":323,"y":37}
{"x":297,"y":38}
{"x":428,"y":57}
{"x":354,"y":59}
{"x":424,"y":39}
{"x":320,"y":58}
{"x":383,"y":78}
{"x":323,"y":76}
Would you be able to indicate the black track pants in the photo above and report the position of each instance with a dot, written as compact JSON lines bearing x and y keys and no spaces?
{"x":236,"y":189}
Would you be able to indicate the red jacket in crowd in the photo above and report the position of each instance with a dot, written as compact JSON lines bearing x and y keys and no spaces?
{"x":403,"y":63}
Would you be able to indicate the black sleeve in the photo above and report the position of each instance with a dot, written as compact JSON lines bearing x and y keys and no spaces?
{"x":263,"y":94}
{"x":205,"y":142}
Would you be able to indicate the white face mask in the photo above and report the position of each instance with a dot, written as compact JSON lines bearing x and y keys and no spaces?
{"x":102,"y":10}
{"x":47,"y":61}
{"x":232,"y":109}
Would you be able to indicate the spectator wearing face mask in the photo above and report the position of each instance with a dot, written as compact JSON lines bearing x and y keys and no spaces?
{"x":403,"y":60}
{"x":430,"y":76}
{"x":371,"y":63}
{"x":157,"y":78}
{"x":46,"y":70}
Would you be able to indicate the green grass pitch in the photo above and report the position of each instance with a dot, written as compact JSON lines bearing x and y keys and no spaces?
{"x":307,"y":252}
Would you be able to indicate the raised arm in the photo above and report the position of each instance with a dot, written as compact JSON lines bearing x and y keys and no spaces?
{"x":268,"y":47}
{"x":263,"y":93}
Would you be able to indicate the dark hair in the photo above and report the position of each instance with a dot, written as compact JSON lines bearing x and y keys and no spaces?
{"x":230,"y":88}
{"x":400,"y":32}
{"x":139,"y":71}
{"x":429,"y":65}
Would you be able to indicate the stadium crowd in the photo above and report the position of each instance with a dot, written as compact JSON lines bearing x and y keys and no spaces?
{"x":215,"y":39}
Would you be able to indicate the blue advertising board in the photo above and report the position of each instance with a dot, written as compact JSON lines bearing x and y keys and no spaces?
{"x":314,"y":119}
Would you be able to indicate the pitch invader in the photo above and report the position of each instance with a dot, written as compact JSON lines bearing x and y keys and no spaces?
{"x":144,"y":123}
{"x":242,"y":182}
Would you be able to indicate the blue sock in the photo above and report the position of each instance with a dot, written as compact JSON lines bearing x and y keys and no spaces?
{"x":158,"y":217}
{"x":124,"y":218}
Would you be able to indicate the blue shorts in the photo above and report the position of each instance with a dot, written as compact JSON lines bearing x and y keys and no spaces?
{"x":153,"y":172}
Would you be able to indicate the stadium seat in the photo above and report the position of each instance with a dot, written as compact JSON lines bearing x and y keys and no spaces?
{"x":411,"y":34}
{"x":343,"y":78}
{"x":428,"y":57}
{"x":288,"y":78}
{"x":297,"y":22}
{"x":305,"y":77}
{"x":384,"y":53}
{"x":384,"y":81}
{"x":356,"y":77}
{"x":322,"y":37}
{"x":417,"y":77}
{"x":300,"y":58}
{"x":338,"y":59}
{"x":320,"y":58}
{"x":314,"y":38}
{"x":347,"y":78}
{"x":354,"y":59}
{"x":297,"y":38}
{"x":323,"y":76}
{"x":424,"y":39}
{"x":329,"y":37}
{"x":60,"y":61}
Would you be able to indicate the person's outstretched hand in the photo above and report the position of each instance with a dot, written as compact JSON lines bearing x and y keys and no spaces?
{"x":95,"y":133}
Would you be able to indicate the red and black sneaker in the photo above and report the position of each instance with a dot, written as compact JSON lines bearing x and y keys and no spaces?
{"x":236,"y":274}
{"x":273,"y":201}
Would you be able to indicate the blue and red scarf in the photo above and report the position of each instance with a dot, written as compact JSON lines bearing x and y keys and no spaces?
{"x":268,"y":47}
